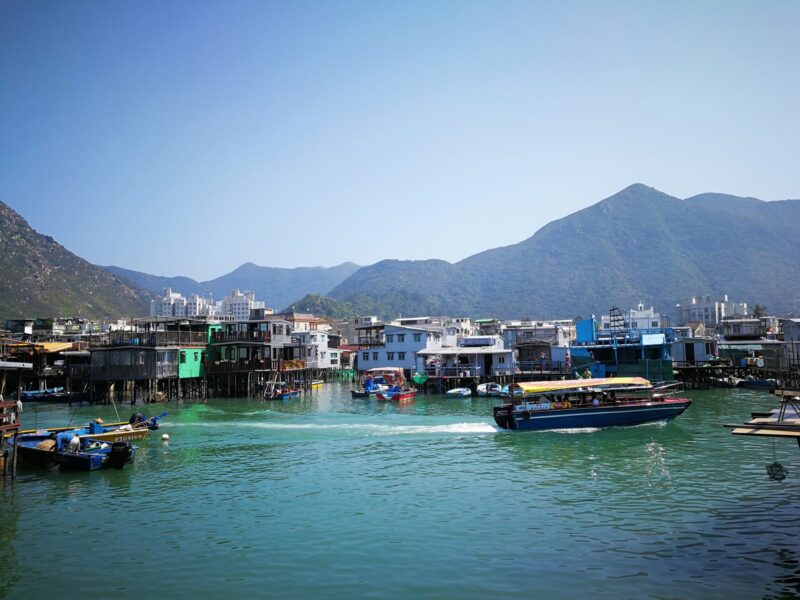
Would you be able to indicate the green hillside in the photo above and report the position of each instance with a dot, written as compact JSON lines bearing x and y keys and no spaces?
{"x":638,"y":245}
{"x":39,"y":277}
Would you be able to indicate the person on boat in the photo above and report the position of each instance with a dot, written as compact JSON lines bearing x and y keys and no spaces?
{"x":66,"y":441}
{"x":369,"y":383}
{"x":587,"y":374}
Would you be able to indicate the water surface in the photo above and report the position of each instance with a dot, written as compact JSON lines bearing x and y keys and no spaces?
{"x":330,"y":497}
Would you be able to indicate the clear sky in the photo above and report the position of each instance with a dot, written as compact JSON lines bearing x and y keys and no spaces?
{"x":185,"y":138}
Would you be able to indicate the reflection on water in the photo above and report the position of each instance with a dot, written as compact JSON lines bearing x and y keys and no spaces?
{"x":427,"y":499}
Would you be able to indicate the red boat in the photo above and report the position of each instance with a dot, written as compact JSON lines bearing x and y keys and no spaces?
{"x":397,"y":394}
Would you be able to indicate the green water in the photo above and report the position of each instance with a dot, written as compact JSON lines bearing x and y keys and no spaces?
{"x":330,"y":497}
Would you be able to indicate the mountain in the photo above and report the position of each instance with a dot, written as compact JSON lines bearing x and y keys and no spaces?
{"x":40,"y":278}
{"x":638,"y":245}
{"x":277,"y":287}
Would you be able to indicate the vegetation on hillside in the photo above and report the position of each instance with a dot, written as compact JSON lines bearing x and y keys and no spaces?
{"x":39,"y":277}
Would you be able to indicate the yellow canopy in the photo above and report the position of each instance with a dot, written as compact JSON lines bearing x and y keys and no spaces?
{"x":541,"y":387}
{"x":54,"y":346}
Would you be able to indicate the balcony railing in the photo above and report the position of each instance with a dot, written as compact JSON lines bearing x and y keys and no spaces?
{"x":242,"y":336}
{"x":463,"y":371}
{"x":156,"y":338}
{"x":228,"y":366}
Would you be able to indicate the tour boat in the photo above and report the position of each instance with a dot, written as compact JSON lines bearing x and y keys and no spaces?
{"x":581,"y":403}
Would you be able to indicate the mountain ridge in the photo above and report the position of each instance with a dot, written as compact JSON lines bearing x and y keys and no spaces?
{"x":639,"y":243}
{"x":40,"y":278}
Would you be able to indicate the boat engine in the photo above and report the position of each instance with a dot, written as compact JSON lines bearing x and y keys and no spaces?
{"x":504,"y":416}
{"x":121,"y":452}
{"x":136,"y":418}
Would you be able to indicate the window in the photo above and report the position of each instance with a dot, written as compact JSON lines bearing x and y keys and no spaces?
{"x":374,"y":356}
{"x":401,"y":355}
{"x":501,"y":360}
{"x":365,"y":356}
{"x":654,"y":324}
{"x":417,"y":337}
{"x":183,"y":357}
{"x":390,"y":356}
{"x":389,"y":338}
{"x":401,"y":337}
{"x":195,"y":356}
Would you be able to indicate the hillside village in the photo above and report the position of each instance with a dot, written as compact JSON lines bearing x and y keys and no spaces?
{"x":192,"y":347}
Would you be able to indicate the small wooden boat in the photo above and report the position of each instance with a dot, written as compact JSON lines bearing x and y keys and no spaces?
{"x":40,"y":449}
{"x":278,"y":390}
{"x":137,"y":428}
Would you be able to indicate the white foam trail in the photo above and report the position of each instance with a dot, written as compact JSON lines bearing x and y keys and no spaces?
{"x":366,"y":428}
{"x":574,"y":430}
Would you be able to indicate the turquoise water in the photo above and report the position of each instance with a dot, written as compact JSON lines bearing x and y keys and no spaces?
{"x":329,"y":497}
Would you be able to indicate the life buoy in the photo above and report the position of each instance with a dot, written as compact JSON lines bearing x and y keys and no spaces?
{"x":567,"y":405}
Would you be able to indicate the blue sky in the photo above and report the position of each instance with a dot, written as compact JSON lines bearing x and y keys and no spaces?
{"x":190,"y":137}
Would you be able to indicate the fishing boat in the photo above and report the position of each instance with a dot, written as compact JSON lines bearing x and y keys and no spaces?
{"x":397,"y":394}
{"x":489,"y":389}
{"x":461,"y":391}
{"x":378,"y":380}
{"x":136,"y":428}
{"x":40,"y":449}
{"x":581,"y":403}
{"x":278,"y":390}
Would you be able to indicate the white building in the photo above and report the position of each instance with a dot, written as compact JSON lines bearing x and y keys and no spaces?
{"x":173,"y":304}
{"x":708,"y":311}
{"x":637,"y":318}
{"x":315,"y":345}
{"x":239,"y":304}
{"x":401,"y":343}
{"x":475,"y":356}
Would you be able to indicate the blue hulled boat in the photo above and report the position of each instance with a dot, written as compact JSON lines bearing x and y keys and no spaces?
{"x":40,"y":449}
{"x":586,"y":403}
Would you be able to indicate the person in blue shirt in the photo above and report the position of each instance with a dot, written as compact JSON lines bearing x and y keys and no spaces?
{"x":65,"y":441}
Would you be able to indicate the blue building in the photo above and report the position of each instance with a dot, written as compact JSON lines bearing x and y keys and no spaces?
{"x":622,"y":351}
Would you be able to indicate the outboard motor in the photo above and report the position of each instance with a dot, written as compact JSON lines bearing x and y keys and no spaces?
{"x":121,"y":452}
{"x":136,"y":418}
{"x":504,"y":416}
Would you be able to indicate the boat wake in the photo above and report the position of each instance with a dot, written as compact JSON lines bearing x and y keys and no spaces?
{"x":370,"y":429}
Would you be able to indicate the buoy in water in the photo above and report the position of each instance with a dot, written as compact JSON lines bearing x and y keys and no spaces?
{"x":164,"y":437}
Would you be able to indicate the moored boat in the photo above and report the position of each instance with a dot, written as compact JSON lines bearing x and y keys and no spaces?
{"x":278,"y":390}
{"x":582,"y":403}
{"x":87,"y":455}
{"x":489,"y":389}
{"x":137,"y":428}
{"x":378,"y":380}
{"x":462,"y":391}
{"x":397,"y":394}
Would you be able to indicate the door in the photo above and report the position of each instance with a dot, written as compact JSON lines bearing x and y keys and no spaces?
{"x":690,"y":353}
{"x":487,"y":365}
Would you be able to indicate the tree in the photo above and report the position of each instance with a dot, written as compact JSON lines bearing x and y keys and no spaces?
{"x":759,"y":311}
